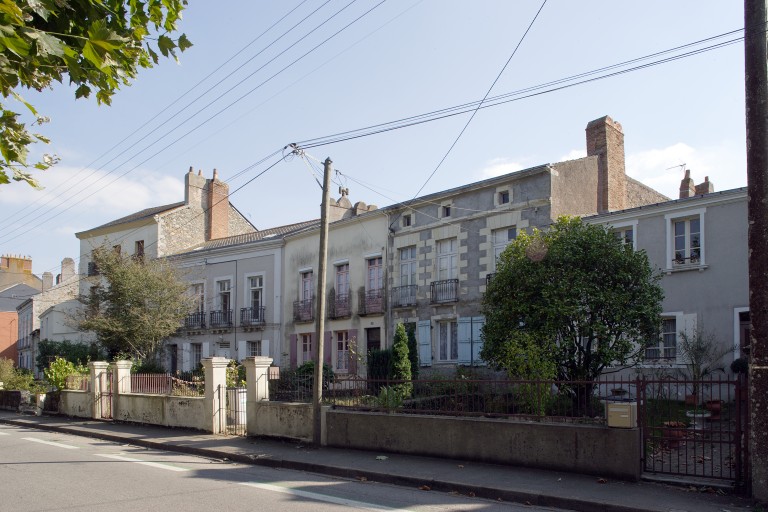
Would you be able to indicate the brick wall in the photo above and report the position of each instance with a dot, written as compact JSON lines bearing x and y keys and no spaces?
{"x":605,"y":139}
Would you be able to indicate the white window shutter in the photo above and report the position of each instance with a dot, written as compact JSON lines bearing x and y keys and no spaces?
{"x":465,"y":334}
{"x":477,"y":339}
{"x":242,"y":350}
{"x":265,"y":348}
{"x":186,"y":360}
{"x":425,"y":342}
{"x":205,"y":350}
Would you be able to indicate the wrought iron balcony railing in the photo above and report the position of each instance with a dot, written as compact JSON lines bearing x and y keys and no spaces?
{"x":304,"y":310}
{"x":371,"y":301}
{"x":195,"y":320}
{"x":253,"y":316}
{"x":445,"y":291}
{"x":221,"y":318}
{"x":404,"y":296}
{"x":340,"y":305}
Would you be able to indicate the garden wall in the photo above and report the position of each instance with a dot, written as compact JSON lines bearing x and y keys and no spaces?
{"x":168,"y":411}
{"x":76,"y":404}
{"x":280,"y":419}
{"x":591,"y":449}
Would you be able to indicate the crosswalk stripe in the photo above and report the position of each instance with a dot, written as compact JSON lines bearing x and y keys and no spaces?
{"x":321,"y":497}
{"x":50,"y":443}
{"x":142,"y":462}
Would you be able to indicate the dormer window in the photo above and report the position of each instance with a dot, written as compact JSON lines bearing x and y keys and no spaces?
{"x":407,"y":220}
{"x":504,"y":197}
{"x":446,"y":211}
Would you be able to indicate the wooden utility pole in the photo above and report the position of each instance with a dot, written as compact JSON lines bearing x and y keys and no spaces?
{"x":756,"y":86}
{"x":317,"y":398}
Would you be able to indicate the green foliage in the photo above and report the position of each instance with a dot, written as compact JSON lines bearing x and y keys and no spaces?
{"x":7,"y":370}
{"x":235,"y":375}
{"x":740,"y":365}
{"x":78,"y":353}
{"x":401,"y":364}
{"x":390,"y":398}
{"x":146,"y":366}
{"x":17,"y":378}
{"x":701,"y":355}
{"x":413,"y":350}
{"x":134,"y":305}
{"x":379,"y":363}
{"x":96,"y":45}
{"x":307,"y":372}
{"x":575,"y":297}
{"x":57,"y":372}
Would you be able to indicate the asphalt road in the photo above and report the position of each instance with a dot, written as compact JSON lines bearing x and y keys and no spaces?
{"x":41,"y":471}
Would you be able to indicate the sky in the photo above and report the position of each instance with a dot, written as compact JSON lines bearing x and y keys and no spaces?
{"x":259,"y":78}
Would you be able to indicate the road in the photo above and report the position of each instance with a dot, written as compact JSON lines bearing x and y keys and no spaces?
{"x":41,"y":471}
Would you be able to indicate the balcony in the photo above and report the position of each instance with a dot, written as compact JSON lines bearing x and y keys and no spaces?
{"x":371,"y":302}
{"x":195,"y":320}
{"x":340,"y":306}
{"x":445,"y":291}
{"x":304,"y":310}
{"x":221,"y":319}
{"x":253,"y":317}
{"x":404,"y":296}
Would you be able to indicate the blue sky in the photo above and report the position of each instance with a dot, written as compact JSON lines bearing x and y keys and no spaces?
{"x":404,"y":58}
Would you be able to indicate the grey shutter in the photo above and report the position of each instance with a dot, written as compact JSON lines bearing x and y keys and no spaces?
{"x":465,"y":346}
{"x":425,"y":342}
{"x":477,"y":339}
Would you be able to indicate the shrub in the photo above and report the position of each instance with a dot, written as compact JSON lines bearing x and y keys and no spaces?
{"x":57,"y":372}
{"x":235,"y":375}
{"x":740,"y":365}
{"x":413,"y":350}
{"x":390,"y":398}
{"x":379,"y":362}
{"x":307,"y":372}
{"x":401,"y":364}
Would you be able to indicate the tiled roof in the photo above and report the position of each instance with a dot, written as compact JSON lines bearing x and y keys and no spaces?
{"x":256,"y":236}
{"x":14,"y":295}
{"x":143,"y":214}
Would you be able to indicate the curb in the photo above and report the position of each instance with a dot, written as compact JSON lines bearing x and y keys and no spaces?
{"x":490,"y":493}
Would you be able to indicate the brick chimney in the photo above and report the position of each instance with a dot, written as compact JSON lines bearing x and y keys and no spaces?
{"x":67,"y":269}
{"x":217,"y":215}
{"x":605,"y":140}
{"x":705,"y":188}
{"x":687,"y":187}
{"x":47,"y":281}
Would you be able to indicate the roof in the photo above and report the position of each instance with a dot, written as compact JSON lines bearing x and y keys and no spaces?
{"x":257,"y":236}
{"x":13,"y":296}
{"x":143,"y":214}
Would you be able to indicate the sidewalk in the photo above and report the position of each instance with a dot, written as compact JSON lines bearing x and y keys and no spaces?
{"x":521,"y":485}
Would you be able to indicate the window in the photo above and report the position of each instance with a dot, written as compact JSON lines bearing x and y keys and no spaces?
{"x":503,"y":197}
{"x":687,"y":241}
{"x":342,"y":351}
{"x":138,"y":250}
{"x":445,"y":211}
{"x":196,"y":354}
{"x":448,"y":341}
{"x":306,"y":285}
{"x":500,"y":240}
{"x":342,"y":279}
{"x":197,"y":291}
{"x":407,"y":266}
{"x":666,"y":348}
{"x":407,"y":220}
{"x":224,"y":295}
{"x":254,"y":348}
{"x":256,"y":288}
{"x":626,"y":235}
{"x":306,"y":348}
{"x":375,"y":277}
{"x":447,"y":259}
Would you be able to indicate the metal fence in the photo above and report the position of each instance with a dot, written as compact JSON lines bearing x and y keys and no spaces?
{"x":177,"y":384}
{"x":78,"y":382}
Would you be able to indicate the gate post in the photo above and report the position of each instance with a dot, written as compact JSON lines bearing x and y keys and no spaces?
{"x":256,"y":380}
{"x":122,"y":384}
{"x":216,"y":393}
{"x":97,"y":369}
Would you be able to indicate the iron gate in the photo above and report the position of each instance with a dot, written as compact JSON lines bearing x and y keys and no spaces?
{"x":105,"y":395}
{"x":695,"y":429}
{"x":232,"y":413}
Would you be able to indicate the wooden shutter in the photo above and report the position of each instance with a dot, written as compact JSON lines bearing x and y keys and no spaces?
{"x":424,"y":334}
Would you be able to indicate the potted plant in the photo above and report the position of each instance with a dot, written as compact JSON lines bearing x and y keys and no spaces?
{"x":701,"y":355}
{"x":674,"y":433}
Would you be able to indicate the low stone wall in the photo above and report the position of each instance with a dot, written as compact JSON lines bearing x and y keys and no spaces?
{"x":164,"y":410}
{"x":590,"y":449}
{"x":280,"y":419}
{"x":76,"y":404}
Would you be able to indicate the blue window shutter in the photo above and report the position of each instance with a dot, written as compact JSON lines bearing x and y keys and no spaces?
{"x":425,"y":342}
{"x":477,"y":339}
{"x":465,"y":348}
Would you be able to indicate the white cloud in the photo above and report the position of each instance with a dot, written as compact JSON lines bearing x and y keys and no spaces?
{"x":661,"y":168}
{"x":573,"y":154}
{"x":499,"y":166}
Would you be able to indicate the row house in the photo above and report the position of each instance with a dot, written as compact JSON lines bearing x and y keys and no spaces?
{"x":356,"y":301}
{"x":699,"y":244}
{"x":443,"y":247}
{"x":236,"y":286}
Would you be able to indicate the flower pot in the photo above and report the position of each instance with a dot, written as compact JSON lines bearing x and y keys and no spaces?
{"x":674,"y":434}
{"x":692,"y":399}
{"x":714,"y":407}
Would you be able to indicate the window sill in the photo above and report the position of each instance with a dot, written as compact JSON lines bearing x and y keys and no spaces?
{"x":685,"y":268}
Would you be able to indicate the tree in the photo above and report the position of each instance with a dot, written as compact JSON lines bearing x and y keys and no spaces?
{"x":413,"y":350}
{"x":98,"y":44}
{"x":577,"y":291}
{"x":401,"y":364}
{"x":135,"y":305}
{"x":74,"y":352}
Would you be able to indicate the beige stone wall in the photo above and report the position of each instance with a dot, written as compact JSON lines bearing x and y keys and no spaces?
{"x":238,"y":224}
{"x":641,"y":195}
{"x":575,"y":187}
{"x":181,"y":229}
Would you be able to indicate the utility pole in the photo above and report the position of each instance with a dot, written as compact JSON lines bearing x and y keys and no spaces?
{"x":317,"y":398}
{"x":756,"y":86}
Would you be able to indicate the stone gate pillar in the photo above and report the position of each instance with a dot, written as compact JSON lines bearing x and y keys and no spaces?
{"x":256,"y":378}
{"x":98,"y":370}
{"x":216,"y":394}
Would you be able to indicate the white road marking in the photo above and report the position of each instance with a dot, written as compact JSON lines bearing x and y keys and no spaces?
{"x":51,"y":443}
{"x":4,"y":433}
{"x":321,"y":497}
{"x":144,"y":462}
